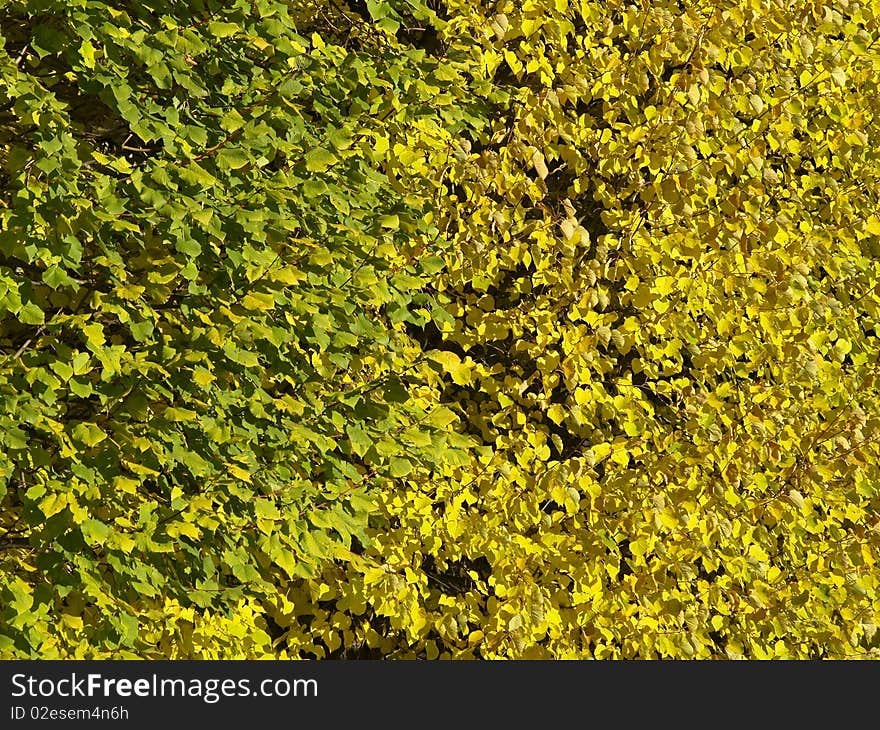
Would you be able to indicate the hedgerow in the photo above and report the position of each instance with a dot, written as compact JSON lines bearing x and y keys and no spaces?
{"x":463,"y":330}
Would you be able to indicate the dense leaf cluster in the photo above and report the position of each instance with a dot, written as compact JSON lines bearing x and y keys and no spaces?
{"x":464,"y":329}
{"x":206,"y":271}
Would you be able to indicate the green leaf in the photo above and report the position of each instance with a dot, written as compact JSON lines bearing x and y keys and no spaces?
{"x":431,"y":264}
{"x":400,"y":467}
{"x":141,"y":330}
{"x":196,"y":175}
{"x":88,"y":433}
{"x":232,"y":158}
{"x":80,"y":389}
{"x":55,"y":276}
{"x":188,"y":246}
{"x":222,"y":30}
{"x":314,"y":188}
{"x":62,"y":369}
{"x":319,"y":159}
{"x":31,"y":314}
{"x":94,"y":531}
{"x":396,"y":393}
{"x":242,"y":357}
{"x":80,"y":363}
{"x":360,"y":441}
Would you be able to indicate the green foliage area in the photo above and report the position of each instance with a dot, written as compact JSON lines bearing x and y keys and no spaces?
{"x":206,"y":272}
{"x":465,"y":329}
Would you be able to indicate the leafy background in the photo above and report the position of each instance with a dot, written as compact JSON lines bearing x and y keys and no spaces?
{"x":421,"y":329}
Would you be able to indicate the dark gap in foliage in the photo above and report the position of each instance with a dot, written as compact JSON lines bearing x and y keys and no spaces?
{"x":454,"y":578}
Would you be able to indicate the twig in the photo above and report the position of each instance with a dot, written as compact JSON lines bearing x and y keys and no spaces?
{"x":22,"y":54}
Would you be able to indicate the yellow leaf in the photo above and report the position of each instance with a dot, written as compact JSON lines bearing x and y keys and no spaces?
{"x":258,"y":300}
{"x":87,"y":51}
{"x":239,"y":473}
{"x":540,"y":164}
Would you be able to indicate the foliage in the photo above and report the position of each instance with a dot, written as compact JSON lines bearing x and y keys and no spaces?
{"x":586,"y":292}
{"x":206,"y":273}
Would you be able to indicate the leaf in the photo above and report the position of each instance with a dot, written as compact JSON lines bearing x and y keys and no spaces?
{"x":319,"y":159}
{"x":400,"y":467}
{"x":88,"y":434}
{"x":141,"y":330}
{"x":341,"y":139}
{"x":391,"y":222}
{"x":431,"y":264}
{"x":126,"y":484}
{"x":80,"y":389}
{"x":239,"y":473}
{"x":395,"y":392}
{"x":31,"y":314}
{"x":806,"y":46}
{"x":360,"y":441}
{"x":94,"y":531}
{"x":540,"y":165}
{"x":222,"y":30}
{"x":62,"y":369}
{"x":452,"y":364}
{"x":378,"y":9}
{"x":55,"y":277}
{"x":197,"y":176}
{"x":242,"y":357}
{"x":94,"y":335}
{"x":80,"y":363}
{"x":314,"y":188}
{"x":262,"y":301}
{"x":441,"y":416}
{"x":87,"y":53}
{"x":232,"y":158}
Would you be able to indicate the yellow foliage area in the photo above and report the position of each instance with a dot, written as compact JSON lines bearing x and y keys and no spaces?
{"x":662,"y":309}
